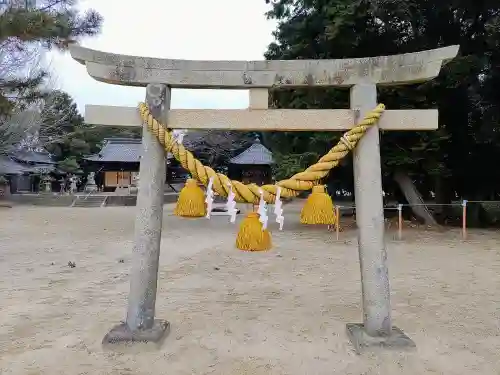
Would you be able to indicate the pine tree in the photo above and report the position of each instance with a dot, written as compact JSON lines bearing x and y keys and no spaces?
{"x":26,"y":31}
{"x":451,"y":162}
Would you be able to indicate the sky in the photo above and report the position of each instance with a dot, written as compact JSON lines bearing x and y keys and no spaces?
{"x":188,"y":29}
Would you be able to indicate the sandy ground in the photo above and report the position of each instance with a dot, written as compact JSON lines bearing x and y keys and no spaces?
{"x":232,"y":312}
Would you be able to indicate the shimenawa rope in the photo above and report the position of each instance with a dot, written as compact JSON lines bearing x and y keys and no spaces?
{"x":290,"y":188}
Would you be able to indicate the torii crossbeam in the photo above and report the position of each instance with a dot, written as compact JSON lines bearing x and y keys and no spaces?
{"x":361,"y":75}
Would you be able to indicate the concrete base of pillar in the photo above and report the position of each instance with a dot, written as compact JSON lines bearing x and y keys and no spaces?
{"x":362,"y":342}
{"x":121,"y":335}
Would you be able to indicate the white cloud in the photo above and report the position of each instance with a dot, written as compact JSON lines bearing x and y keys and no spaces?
{"x":188,"y":29}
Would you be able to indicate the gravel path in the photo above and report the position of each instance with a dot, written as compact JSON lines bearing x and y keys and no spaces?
{"x":280,"y":312}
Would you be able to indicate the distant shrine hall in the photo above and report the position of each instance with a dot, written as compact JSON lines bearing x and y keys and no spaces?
{"x":254,"y":165}
{"x":117,"y":164}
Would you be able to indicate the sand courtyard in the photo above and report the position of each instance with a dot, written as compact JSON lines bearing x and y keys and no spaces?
{"x":232,"y":312}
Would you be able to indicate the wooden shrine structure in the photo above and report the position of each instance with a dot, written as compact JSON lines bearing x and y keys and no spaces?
{"x":254,"y":165}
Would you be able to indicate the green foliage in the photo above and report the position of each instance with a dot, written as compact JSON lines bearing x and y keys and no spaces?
{"x":24,"y":34}
{"x":466,"y":92}
{"x":64,"y":134}
{"x":287,"y":165}
{"x":62,"y":130}
{"x":69,"y":165}
{"x":53,"y":24}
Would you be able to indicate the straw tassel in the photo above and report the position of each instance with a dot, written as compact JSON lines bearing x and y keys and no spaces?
{"x":319,"y":208}
{"x":251,"y":235}
{"x":191,"y":202}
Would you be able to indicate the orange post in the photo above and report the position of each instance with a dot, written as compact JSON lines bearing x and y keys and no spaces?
{"x":400,"y":221}
{"x":464,"y":220}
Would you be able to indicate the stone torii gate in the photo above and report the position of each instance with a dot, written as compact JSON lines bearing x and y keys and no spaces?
{"x":362,"y":75}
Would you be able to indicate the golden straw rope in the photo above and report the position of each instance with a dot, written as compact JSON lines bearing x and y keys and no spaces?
{"x":291,"y":187}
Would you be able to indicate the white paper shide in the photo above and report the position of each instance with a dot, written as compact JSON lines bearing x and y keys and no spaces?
{"x":278,"y":210}
{"x":209,"y":200}
{"x":180,"y":138}
{"x":231,"y":204}
{"x":262,"y":210}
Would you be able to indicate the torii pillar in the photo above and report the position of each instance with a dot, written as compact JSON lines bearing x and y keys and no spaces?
{"x":361,"y":75}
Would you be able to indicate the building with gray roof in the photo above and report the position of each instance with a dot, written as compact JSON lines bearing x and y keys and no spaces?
{"x":118,"y":163}
{"x":254,"y":165}
{"x":23,"y":168}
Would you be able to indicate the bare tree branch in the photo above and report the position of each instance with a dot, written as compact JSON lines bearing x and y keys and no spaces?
{"x":27,"y":30}
{"x":216,"y":147}
{"x":38,"y":126}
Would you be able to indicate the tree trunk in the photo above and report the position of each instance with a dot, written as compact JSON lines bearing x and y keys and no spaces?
{"x":477,"y":216}
{"x":443,"y":197}
{"x":414,"y":198}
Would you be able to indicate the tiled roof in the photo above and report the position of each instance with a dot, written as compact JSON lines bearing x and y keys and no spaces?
{"x":122,"y":150}
{"x":119,"y":150}
{"x":29,"y":156}
{"x":42,"y":168}
{"x":256,"y":154}
{"x":8,"y":166}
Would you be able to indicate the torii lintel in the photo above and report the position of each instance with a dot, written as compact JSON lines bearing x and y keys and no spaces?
{"x":382,"y":70}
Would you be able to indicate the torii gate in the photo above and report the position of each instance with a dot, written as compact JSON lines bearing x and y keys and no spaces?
{"x":362,"y":75}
